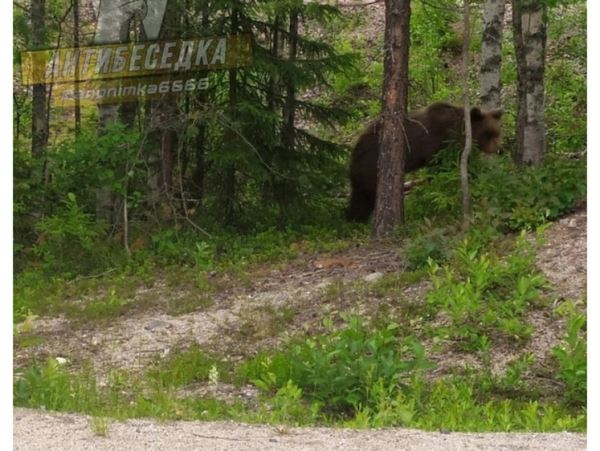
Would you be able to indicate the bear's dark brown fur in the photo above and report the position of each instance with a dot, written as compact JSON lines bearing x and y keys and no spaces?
{"x":428,"y":130}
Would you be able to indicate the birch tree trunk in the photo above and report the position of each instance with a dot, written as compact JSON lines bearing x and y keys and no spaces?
{"x":39,"y":119}
{"x":529,"y":22}
{"x":491,"y":53}
{"x":389,"y":205}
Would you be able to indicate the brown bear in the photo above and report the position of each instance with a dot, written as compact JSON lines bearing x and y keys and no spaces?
{"x":428,"y":130}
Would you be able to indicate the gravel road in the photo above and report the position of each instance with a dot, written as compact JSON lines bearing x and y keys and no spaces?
{"x":38,"y":430}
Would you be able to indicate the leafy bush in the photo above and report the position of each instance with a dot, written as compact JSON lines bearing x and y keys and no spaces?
{"x":68,"y":239}
{"x":430,"y":246}
{"x":481,"y":294}
{"x":51,"y":387}
{"x":525,"y":198}
{"x":572,"y":357}
{"x":339,"y":370}
{"x":288,"y":407}
{"x":505,"y":197}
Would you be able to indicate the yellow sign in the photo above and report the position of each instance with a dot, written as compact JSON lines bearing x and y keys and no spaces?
{"x":122,"y":61}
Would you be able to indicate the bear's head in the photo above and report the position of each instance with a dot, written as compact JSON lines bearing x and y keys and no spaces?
{"x":486,"y":129}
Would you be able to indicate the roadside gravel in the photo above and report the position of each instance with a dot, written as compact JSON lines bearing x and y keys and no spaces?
{"x":44,"y":431}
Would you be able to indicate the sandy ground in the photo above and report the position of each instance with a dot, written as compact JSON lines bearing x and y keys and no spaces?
{"x":36,"y":430}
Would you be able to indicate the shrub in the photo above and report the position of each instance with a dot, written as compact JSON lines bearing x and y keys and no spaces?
{"x":339,"y":370}
{"x":432,"y":245}
{"x":481,"y":294}
{"x":571,"y":357}
{"x":68,"y":239}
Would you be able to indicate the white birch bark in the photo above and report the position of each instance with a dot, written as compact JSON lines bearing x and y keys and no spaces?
{"x":529,"y":20}
{"x":491,"y":54}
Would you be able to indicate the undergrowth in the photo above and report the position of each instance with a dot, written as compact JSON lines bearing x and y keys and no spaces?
{"x":355,"y":376}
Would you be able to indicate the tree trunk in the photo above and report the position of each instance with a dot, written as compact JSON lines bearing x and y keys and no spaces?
{"x":289,"y":112}
{"x":464,"y":159}
{"x":389,"y":208}
{"x":105,"y":198}
{"x":76,"y":44}
{"x":167,"y":150}
{"x":39,"y":120}
{"x":200,"y":142}
{"x":529,"y":21}
{"x":491,"y":53}
{"x":281,"y":189}
{"x":229,"y":175}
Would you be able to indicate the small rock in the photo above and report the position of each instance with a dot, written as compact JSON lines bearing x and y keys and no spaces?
{"x":156,"y":324}
{"x":323,"y":284}
{"x":61,"y":360}
{"x":373,"y":277}
{"x":572,"y":223}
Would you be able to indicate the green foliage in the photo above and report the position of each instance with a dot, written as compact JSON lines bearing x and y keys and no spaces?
{"x":572,"y":356}
{"x":433,"y":45}
{"x":338,"y":370}
{"x":99,"y":426}
{"x":108,"y":307}
{"x":389,"y":407}
{"x":465,"y":411}
{"x":525,"y":198}
{"x":566,"y":78}
{"x":432,"y":245}
{"x":481,"y":295}
{"x":288,"y":407}
{"x":110,"y":160}
{"x":400,"y":396}
{"x":227,"y":248}
{"x":186,"y":367}
{"x":68,"y":239}
{"x":505,"y":197}
{"x":51,"y":387}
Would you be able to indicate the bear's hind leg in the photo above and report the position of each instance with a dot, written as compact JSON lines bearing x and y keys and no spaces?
{"x":361,"y":206}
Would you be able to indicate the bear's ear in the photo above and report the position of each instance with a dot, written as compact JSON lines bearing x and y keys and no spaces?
{"x":476,"y":113}
{"x":497,"y":113}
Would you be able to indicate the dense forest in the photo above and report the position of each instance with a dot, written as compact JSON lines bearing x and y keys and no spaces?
{"x":234,"y":198}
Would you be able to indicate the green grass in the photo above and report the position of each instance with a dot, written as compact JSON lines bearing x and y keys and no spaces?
{"x":100,"y":426}
{"x":394,"y":283}
{"x":189,"y":366}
